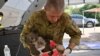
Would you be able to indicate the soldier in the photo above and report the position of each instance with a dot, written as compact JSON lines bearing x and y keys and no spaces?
{"x":50,"y":23}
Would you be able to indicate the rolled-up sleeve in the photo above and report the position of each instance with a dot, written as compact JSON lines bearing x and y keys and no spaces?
{"x":73,"y":31}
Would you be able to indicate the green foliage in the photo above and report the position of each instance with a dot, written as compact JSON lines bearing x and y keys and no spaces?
{"x":91,"y":14}
{"x":68,"y":9}
{"x":76,"y":11}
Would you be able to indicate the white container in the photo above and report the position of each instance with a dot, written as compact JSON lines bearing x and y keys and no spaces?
{"x":7,"y":51}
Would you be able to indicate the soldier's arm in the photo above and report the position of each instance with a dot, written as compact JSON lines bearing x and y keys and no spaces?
{"x":26,"y":30}
{"x":74,"y":32}
{"x":25,"y":35}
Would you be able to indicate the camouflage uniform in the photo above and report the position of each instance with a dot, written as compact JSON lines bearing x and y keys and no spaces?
{"x":38,"y":23}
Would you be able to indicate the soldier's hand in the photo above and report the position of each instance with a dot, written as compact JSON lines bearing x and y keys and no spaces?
{"x":66,"y":52}
{"x":60,"y":48}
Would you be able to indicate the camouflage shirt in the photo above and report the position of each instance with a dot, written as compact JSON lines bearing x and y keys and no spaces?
{"x":38,"y":23}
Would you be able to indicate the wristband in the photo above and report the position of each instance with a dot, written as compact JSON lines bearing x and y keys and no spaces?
{"x":69,"y":49}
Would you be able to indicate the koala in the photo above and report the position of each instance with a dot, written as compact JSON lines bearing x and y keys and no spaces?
{"x":36,"y":43}
{"x":41,"y":44}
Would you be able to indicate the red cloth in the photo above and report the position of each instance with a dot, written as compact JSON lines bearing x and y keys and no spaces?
{"x":55,"y":52}
{"x":52,"y":44}
{"x":45,"y":54}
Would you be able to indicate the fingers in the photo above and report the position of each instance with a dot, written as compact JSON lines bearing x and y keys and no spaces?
{"x":66,"y":52}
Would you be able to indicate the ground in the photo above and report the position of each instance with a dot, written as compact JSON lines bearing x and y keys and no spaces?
{"x":85,"y":53}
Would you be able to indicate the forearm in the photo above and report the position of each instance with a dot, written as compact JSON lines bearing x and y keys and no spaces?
{"x":74,"y":41}
{"x":23,"y":41}
{"x":71,"y":45}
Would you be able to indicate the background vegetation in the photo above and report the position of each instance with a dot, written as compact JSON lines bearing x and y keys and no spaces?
{"x":78,"y":10}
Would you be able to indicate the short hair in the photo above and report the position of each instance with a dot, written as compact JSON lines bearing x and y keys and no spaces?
{"x":56,"y":4}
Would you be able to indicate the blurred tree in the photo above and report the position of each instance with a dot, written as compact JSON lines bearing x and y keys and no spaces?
{"x":90,"y":14}
{"x":76,"y":11}
{"x":68,"y":9}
